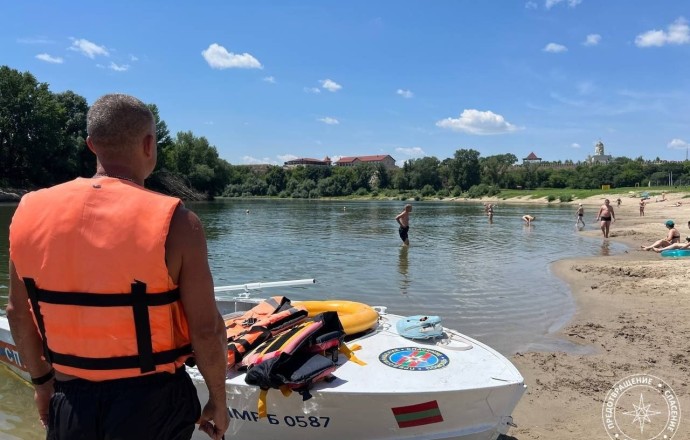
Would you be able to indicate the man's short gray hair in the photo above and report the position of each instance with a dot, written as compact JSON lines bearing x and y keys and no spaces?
{"x":117,"y":122}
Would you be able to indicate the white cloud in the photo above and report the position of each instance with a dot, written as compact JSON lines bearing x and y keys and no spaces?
{"x":314,"y":90}
{"x":329,"y":121}
{"x":574,"y":145}
{"x":411,"y":151}
{"x":249,"y":160}
{"x":405,"y":93}
{"x":330,"y":85}
{"x":286,"y":157}
{"x":677,"y":32}
{"x":592,"y":40}
{"x":208,"y":122}
{"x":49,"y":59}
{"x":478,"y":122}
{"x":269,"y":79}
{"x":555,"y":48}
{"x":118,"y":67}
{"x":678,"y":144}
{"x":38,"y":40}
{"x":531,"y":5}
{"x":585,"y":88}
{"x":572,"y":3}
{"x":88,"y":49}
{"x":219,"y":58}
{"x":133,"y":58}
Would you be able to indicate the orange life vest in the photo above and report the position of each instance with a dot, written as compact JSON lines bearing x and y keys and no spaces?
{"x":91,"y":253}
{"x":266,"y":319}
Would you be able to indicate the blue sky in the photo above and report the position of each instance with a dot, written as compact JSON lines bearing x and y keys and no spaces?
{"x":269,"y":81}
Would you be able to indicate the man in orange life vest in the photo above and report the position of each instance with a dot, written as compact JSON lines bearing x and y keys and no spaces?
{"x":110,"y":288}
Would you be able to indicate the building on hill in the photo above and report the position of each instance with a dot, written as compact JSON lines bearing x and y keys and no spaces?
{"x":532,"y":158}
{"x":599,"y":156}
{"x":306,"y":161}
{"x":350,"y":161}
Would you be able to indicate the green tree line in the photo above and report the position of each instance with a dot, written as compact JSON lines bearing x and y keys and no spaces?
{"x":42,"y":143}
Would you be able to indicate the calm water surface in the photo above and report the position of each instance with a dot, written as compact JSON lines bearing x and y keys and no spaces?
{"x":490,"y":281}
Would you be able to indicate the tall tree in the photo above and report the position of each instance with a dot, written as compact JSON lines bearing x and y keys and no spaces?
{"x":464,"y":168}
{"x":30,"y":131}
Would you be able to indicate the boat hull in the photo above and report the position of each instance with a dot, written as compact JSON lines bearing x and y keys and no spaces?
{"x":454,"y":388}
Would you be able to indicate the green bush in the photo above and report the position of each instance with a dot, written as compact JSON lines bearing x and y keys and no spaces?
{"x":565,"y":198}
{"x":550,"y":198}
{"x":481,"y":190}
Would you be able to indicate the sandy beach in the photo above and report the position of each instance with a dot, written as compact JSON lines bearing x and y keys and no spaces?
{"x":634,"y":315}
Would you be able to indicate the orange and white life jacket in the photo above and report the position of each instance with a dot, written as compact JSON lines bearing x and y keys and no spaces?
{"x":91,"y":253}
{"x":257,"y":325}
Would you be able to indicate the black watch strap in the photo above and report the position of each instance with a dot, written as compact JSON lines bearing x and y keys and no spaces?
{"x":43,"y":379}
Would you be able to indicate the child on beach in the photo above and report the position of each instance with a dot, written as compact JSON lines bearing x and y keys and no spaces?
{"x":580,"y":215}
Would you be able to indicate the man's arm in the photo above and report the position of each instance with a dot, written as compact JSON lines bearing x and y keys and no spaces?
{"x":398,"y":217}
{"x":28,"y":341}
{"x":187,"y":260}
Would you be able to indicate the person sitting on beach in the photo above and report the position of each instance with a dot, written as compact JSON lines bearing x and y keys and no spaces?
{"x":677,"y":204}
{"x":672,"y":246}
{"x":528,"y":219}
{"x":606,"y":215}
{"x":619,"y":201}
{"x":580,"y":215}
{"x":672,"y":237}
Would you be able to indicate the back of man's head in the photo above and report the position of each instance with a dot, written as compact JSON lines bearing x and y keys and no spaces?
{"x":116,"y":123}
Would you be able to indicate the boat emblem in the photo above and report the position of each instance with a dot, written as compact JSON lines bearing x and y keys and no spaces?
{"x":414,"y":359}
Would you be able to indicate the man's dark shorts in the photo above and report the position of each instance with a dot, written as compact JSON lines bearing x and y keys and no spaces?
{"x":403,"y":230}
{"x":160,"y":406}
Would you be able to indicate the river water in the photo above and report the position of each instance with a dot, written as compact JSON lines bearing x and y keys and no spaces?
{"x":491,"y":281}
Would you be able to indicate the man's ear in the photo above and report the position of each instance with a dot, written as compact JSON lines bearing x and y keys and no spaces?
{"x":89,"y":143}
{"x":149,"y":145}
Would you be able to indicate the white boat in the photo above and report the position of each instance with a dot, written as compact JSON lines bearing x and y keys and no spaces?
{"x":452,"y":387}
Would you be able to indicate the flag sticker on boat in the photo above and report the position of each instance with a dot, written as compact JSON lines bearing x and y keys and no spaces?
{"x":414,"y":359}
{"x":417,"y":415}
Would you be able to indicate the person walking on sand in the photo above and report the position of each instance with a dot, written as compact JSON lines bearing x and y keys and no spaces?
{"x":606,"y":215}
{"x":403,"y":220}
{"x":580,"y":215}
{"x":642,"y":208}
{"x":110,"y":289}
{"x":528,"y":219}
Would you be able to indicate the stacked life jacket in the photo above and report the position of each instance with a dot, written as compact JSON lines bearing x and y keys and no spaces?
{"x":297,"y":358}
{"x":257,"y":325}
{"x":91,"y":253}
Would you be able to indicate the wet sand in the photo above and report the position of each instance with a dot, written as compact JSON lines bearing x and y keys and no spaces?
{"x":633,"y":312}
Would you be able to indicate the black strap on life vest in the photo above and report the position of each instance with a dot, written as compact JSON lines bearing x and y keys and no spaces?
{"x":146,"y":360}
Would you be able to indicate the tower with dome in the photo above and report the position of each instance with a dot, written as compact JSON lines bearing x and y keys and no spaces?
{"x":599,"y":156}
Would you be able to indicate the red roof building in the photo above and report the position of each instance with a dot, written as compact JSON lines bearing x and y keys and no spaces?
{"x":350,"y":161}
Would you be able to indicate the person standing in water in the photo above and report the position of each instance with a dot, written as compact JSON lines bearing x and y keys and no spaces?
{"x":490,"y":212}
{"x":606,"y":216}
{"x":580,"y":214}
{"x":403,"y":220}
{"x":528,"y":219}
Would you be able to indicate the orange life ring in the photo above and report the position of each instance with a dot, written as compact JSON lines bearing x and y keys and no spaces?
{"x":356,"y":317}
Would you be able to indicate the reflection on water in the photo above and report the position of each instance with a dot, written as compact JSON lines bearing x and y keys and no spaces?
{"x":605,"y":248}
{"x":490,"y":281}
{"x":403,"y":264}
